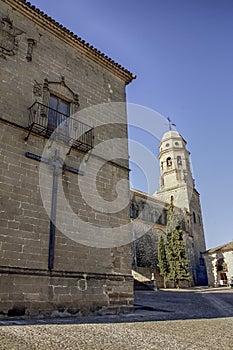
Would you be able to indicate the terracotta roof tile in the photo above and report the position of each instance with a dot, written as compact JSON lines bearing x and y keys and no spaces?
{"x":130,"y":75}
{"x":224,"y":247}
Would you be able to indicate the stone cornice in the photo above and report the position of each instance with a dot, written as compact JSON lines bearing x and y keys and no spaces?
{"x":178,"y":186}
{"x":171,"y":150}
{"x":11,"y":270}
{"x":43,"y":20}
{"x":146,"y":196}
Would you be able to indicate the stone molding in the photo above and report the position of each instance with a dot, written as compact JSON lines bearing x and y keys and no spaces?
{"x":43,"y":20}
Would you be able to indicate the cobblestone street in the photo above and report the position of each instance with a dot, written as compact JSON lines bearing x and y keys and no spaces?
{"x":189,"y":334}
{"x":184,"y":319}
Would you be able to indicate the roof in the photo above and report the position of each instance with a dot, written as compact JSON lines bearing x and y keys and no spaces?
{"x":53,"y":26}
{"x":221,"y":248}
{"x":170,"y":134}
{"x":146,"y":196}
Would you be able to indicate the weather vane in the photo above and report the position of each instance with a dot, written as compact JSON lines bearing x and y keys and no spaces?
{"x":170,"y":124}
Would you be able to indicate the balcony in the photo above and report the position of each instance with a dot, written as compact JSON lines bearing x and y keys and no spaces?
{"x":60,"y":127}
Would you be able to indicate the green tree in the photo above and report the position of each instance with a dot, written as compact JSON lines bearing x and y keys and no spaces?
{"x":177,"y":263}
{"x":173,"y":219}
{"x":146,"y":252}
{"x":176,"y":257}
{"x":162,"y":260}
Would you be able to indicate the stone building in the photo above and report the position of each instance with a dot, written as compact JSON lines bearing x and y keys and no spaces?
{"x":52,"y":259}
{"x":176,"y":182}
{"x":219,"y":263}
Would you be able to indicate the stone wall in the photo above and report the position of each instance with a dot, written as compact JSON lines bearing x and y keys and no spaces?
{"x":22,"y":80}
{"x":87,"y":276}
{"x":199,"y":246}
{"x":37,"y":293}
{"x":149,"y":218}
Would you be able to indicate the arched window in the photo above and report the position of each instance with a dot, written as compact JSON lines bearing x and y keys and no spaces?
{"x":179,"y":161}
{"x":134,"y":211}
{"x":169,"y":162}
{"x":194,"y":218}
{"x":162,"y":218}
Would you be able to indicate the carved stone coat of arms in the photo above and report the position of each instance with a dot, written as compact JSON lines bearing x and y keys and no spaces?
{"x":8,"y":37}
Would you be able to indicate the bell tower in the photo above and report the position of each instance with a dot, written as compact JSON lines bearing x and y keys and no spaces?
{"x":176,"y":177}
{"x":177,"y":183}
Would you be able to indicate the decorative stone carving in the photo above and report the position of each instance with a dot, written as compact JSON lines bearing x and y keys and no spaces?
{"x":45,"y":99}
{"x":60,"y":88}
{"x":37,"y":88}
{"x":31,"y":44}
{"x":8,"y":34}
{"x":76,"y":103}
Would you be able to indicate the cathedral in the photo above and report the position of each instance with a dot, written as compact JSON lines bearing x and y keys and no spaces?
{"x":149,"y":212}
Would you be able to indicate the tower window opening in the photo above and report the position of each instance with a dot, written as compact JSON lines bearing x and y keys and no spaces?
{"x":194,"y":218}
{"x":169,"y":162}
{"x":179,"y":161}
{"x":162,"y":181}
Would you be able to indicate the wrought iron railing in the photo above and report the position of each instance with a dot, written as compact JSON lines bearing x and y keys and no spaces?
{"x":51,"y":123}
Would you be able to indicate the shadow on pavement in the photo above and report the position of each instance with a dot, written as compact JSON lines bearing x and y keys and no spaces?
{"x":161,"y":305}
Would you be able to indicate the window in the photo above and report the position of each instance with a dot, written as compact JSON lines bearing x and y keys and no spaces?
{"x":179,"y":161}
{"x":169,"y":162}
{"x":161,"y":181}
{"x":194,"y":218}
{"x":59,"y":111}
{"x":162,"y":219}
{"x":134,"y":212}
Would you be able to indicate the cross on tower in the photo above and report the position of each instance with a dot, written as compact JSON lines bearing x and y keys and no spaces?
{"x":58,"y":166}
{"x":170,"y":124}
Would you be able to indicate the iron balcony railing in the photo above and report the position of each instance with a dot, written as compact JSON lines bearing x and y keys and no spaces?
{"x":51,"y":123}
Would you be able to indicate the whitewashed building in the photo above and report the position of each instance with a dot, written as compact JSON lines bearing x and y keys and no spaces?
{"x":219,"y":263}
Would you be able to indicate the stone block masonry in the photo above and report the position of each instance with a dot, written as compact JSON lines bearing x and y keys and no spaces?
{"x":31,"y":292}
{"x":41,"y":63}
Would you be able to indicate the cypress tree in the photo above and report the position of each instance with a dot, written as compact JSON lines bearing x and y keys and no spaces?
{"x":176,"y":257}
{"x":178,"y":267}
{"x":162,"y":260}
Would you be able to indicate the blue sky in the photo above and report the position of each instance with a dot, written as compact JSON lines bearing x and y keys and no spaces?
{"x":182,"y":54}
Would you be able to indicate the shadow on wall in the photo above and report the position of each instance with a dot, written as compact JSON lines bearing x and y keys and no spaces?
{"x":210,"y":266}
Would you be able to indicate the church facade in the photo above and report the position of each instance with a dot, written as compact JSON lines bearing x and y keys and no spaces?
{"x":51,"y":259}
{"x":149,"y":212}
